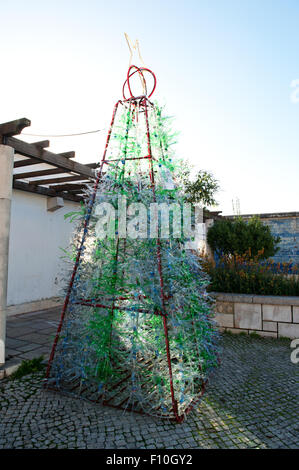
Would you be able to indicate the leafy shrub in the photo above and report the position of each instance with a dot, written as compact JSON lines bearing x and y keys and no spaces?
{"x":28,"y":367}
{"x":243,"y":275}
{"x":228,"y":236}
{"x":202,"y":189}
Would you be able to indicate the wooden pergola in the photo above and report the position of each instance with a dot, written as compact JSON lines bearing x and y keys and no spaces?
{"x":42,"y":172}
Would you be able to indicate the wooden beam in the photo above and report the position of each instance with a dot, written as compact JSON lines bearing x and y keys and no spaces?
{"x":71,"y":154}
{"x":58,"y":180}
{"x":44,"y":156}
{"x":8,"y":129}
{"x":27,"y":162}
{"x":77,"y":192}
{"x":66,"y":187}
{"x":92,"y":165}
{"x":42,"y":144}
{"x":33,"y":174}
{"x":45,"y":191}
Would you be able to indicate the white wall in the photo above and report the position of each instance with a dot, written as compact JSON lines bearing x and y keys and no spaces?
{"x":36,"y":236}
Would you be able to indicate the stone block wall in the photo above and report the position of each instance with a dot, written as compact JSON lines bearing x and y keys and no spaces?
{"x":265,"y":315}
{"x":288,"y":230}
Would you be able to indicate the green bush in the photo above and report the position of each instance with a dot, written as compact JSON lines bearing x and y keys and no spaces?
{"x":202,"y":189}
{"x":228,"y":236}
{"x":28,"y":367}
{"x":239,"y":275}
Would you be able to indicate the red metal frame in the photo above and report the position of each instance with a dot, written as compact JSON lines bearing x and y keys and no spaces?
{"x":140,"y":70}
{"x":144,"y":103}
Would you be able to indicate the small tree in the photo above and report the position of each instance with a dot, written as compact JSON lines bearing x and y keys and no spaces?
{"x":237,"y":236}
{"x":202,"y":189}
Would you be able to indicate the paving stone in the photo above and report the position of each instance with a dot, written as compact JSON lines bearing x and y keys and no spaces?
{"x":13,"y":343}
{"x":250,"y":402}
{"x":27,"y":347}
{"x":34,"y":338}
{"x":9,"y":352}
{"x":32,"y":354}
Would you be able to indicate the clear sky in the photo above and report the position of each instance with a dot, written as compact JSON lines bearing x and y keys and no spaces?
{"x":224,"y":70}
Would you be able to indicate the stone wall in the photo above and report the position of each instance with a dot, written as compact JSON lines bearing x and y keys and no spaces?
{"x":265,"y":315}
{"x":287,"y":227}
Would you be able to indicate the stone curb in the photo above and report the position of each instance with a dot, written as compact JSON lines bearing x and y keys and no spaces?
{"x":255,"y":299}
{"x":9,"y":368}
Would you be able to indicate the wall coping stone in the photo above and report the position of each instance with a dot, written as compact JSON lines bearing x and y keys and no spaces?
{"x":228,"y":297}
{"x":255,"y":299}
{"x":267,"y":215}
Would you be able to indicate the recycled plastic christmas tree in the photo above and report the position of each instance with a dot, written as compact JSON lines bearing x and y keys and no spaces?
{"x":136,"y":330}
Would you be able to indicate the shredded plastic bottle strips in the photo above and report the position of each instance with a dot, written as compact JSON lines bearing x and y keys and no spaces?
{"x":137,"y":330}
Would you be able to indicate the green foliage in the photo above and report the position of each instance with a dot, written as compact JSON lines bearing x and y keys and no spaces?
{"x":240,"y":275}
{"x":28,"y":367}
{"x":237,"y":236}
{"x":255,"y":335}
{"x":74,"y":215}
{"x":202,"y":189}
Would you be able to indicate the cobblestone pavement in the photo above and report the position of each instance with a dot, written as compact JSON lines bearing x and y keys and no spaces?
{"x":251,"y":402}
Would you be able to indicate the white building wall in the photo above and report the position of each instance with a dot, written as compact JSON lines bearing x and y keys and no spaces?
{"x":36,"y":236}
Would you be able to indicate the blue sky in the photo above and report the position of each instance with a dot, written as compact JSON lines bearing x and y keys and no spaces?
{"x":224,"y":70}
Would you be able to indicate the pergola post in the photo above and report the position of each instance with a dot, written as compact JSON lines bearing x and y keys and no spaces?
{"x":6,"y":178}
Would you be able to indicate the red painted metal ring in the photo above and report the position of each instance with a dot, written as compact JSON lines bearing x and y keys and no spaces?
{"x":140,"y":70}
